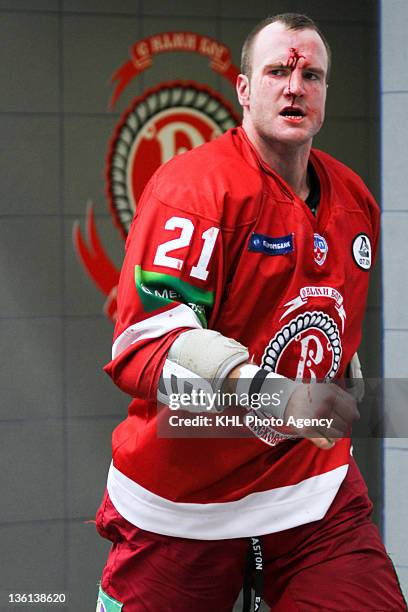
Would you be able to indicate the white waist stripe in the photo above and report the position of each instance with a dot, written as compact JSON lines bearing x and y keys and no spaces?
{"x":254,"y":515}
{"x":156,"y":326}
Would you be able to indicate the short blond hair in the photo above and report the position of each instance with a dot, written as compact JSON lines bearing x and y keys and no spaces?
{"x":292,"y":21}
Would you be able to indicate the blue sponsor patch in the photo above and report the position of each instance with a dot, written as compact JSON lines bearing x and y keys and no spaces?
{"x":271,"y":246}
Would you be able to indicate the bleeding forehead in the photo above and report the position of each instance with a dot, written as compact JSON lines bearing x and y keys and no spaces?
{"x":275,"y":41}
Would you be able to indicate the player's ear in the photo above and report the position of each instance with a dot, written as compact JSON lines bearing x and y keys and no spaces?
{"x":242,"y":87}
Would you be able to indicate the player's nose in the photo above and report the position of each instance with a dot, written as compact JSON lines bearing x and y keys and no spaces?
{"x":295,"y":85}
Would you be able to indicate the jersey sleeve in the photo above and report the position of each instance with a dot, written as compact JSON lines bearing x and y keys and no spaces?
{"x":171,"y":280}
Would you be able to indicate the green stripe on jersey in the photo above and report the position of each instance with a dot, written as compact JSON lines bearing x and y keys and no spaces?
{"x":106,"y":603}
{"x":155,"y":290}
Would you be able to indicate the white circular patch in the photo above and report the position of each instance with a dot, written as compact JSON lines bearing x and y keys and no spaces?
{"x":361,"y":250}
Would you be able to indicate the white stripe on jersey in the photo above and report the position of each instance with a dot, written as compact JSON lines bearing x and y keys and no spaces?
{"x":156,"y":326}
{"x":254,"y":515}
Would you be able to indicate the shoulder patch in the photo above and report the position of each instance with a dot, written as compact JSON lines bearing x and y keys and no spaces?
{"x":362,"y":252}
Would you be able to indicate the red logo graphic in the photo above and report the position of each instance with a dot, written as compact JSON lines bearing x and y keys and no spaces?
{"x":307,"y":348}
{"x":165,"y":121}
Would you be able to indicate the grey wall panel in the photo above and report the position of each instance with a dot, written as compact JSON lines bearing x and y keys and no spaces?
{"x":257,"y":9}
{"x":90,"y":392}
{"x":395,"y":353}
{"x":30,"y":5}
{"x":89,"y":456}
{"x":395,"y":231}
{"x":34,"y":480}
{"x":395,"y":176}
{"x":348,"y":83}
{"x":346,"y":139}
{"x":33,"y":557}
{"x":30,"y":270}
{"x":374,"y":292}
{"x":31,"y":368}
{"x":94,"y":48}
{"x":396,"y":467}
{"x":85,"y":151}
{"x":370,"y":345}
{"x":30,"y":149}
{"x":125,"y":7}
{"x":350,"y":11}
{"x":29,"y":67}
{"x":396,"y":443}
{"x":394,"y":49}
{"x":179,"y":7}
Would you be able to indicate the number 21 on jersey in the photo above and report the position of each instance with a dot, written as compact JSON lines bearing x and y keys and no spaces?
{"x":209,"y":237}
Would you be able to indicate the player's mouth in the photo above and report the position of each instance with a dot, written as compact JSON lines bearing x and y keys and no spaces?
{"x":292,"y":113}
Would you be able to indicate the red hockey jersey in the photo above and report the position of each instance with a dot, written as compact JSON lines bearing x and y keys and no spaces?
{"x":219,"y":240}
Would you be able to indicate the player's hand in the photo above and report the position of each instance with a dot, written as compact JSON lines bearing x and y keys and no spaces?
{"x":322,"y":401}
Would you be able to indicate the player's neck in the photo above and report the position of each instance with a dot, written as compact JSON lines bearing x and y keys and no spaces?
{"x":292,"y":167}
{"x":290,"y":162}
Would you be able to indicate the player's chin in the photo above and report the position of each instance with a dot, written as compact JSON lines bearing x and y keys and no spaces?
{"x":301,"y":131}
{"x":295,"y":136}
{"x":285,"y":126}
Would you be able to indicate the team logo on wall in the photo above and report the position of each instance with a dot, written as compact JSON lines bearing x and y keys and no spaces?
{"x":164,"y":121}
{"x":361,"y":249}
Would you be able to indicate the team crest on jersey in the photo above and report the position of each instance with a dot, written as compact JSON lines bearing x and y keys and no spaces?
{"x":309,"y":347}
{"x":362,"y":253}
{"x":164,"y":121}
{"x":320,"y":249}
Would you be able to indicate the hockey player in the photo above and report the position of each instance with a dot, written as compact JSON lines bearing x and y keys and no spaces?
{"x":247,"y":260}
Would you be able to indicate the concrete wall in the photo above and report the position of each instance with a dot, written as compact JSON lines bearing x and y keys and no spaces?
{"x":57,"y":407}
{"x":394,"y":97}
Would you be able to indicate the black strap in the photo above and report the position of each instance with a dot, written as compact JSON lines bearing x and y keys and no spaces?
{"x":253,"y":569}
{"x":247,"y":587}
{"x":257,"y":381}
